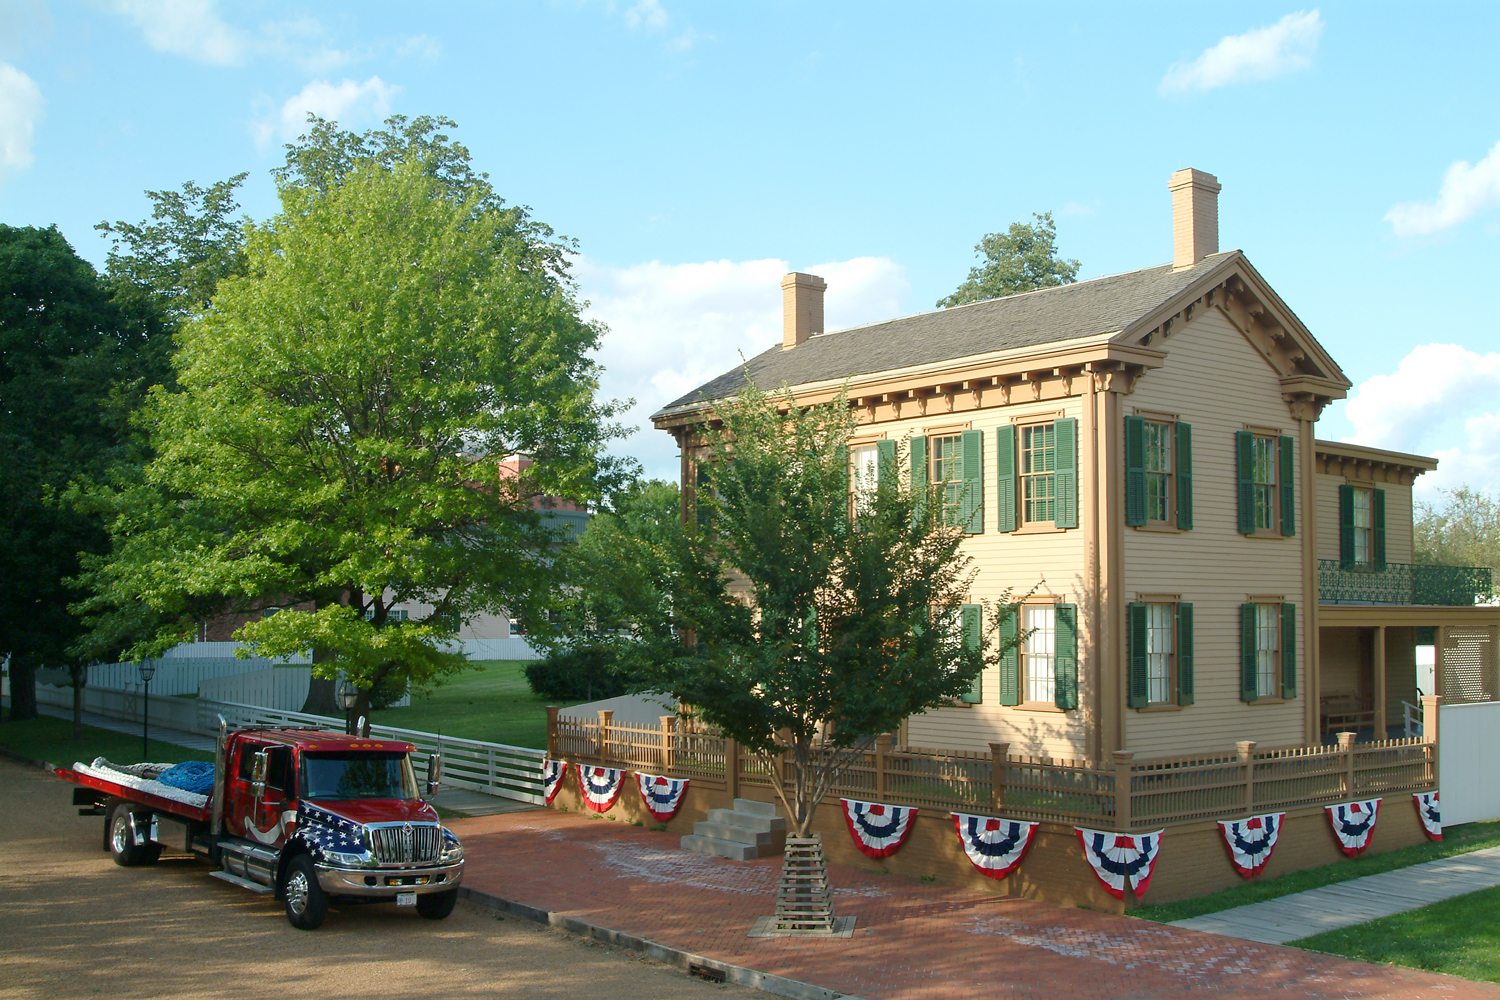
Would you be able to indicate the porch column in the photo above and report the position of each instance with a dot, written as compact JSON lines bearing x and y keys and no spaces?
{"x":1379,"y":671}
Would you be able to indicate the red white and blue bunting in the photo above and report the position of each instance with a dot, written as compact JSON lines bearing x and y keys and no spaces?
{"x":878,"y":830}
{"x":1429,"y":813}
{"x":1118,"y":858}
{"x":600,"y":786}
{"x":663,"y":796}
{"x":995,"y":846}
{"x":552,"y":775}
{"x":1251,"y":841}
{"x":1353,"y":823}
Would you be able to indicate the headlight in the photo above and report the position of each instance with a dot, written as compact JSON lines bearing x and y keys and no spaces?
{"x":452,"y":849}
{"x":350,"y":860}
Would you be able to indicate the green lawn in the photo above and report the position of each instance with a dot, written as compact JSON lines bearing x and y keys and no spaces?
{"x":1456,"y":840}
{"x":1459,"y":937}
{"x":51,"y":739}
{"x":492,"y":703}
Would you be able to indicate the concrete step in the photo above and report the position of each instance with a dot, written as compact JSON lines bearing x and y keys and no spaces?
{"x":765,"y":841}
{"x":752,"y":807}
{"x":748,"y":821}
{"x":714,"y":847}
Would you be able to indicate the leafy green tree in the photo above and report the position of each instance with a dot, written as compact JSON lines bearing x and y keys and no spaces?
{"x":1021,"y":259}
{"x":1462,"y":530}
{"x":344,"y":406}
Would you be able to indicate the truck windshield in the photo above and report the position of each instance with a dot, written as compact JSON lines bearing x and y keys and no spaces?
{"x":357,"y":775}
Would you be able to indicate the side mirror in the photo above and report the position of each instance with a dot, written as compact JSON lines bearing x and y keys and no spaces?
{"x":434,"y":773}
{"x":258,"y":770}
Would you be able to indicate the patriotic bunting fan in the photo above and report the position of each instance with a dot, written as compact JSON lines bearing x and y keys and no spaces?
{"x":878,"y":830}
{"x":1353,"y":823}
{"x":1428,"y":813}
{"x":600,"y":786}
{"x":1118,"y":858}
{"x":552,"y":775}
{"x":1251,"y":841}
{"x":995,"y":846}
{"x":663,"y":796}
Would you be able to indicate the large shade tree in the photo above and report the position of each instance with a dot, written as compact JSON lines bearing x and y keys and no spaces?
{"x":1023,"y":258}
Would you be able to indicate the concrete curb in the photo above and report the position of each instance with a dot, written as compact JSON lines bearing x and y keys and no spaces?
{"x":45,"y":765}
{"x":677,"y":958}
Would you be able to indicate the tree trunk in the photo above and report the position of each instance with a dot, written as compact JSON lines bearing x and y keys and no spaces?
{"x":22,"y":687}
{"x":321,"y":698}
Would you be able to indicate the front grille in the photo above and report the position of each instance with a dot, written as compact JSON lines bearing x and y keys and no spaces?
{"x":406,"y":843}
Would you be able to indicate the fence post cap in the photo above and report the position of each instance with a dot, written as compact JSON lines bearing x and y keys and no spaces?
{"x":1122,"y":756}
{"x":1245,"y":746}
{"x":1346,"y":740}
{"x":999,"y":749}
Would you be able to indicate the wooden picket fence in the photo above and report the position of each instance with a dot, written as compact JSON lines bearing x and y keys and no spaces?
{"x":1124,"y":793}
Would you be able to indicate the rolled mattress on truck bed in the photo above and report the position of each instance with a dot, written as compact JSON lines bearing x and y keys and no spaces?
{"x":169,"y":781}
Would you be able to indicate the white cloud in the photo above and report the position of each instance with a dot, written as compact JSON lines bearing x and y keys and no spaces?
{"x":189,"y":28}
{"x":673,"y":327}
{"x":348,"y":103}
{"x":20,"y":108}
{"x":421,"y":47}
{"x":1442,"y":400}
{"x":1467,"y":190}
{"x":1260,"y":54}
{"x":647,"y":13}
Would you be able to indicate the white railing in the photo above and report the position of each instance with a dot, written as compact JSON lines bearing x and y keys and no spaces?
{"x":1411,"y":719}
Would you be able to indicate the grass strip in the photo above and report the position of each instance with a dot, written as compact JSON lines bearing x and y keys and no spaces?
{"x":1456,"y":840}
{"x":1458,"y":936}
{"x":492,"y":702}
{"x":51,"y":739}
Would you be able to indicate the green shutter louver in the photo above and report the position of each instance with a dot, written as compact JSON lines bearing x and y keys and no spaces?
{"x":1184,"y":654}
{"x":1010,"y":660}
{"x":971,"y":620}
{"x":1066,"y":431}
{"x":1005,"y":478}
{"x":1289,"y":650}
{"x":1065,"y":672}
{"x":1377,"y":529}
{"x":918,"y":462}
{"x":1184,"y":476}
{"x":1247,"y":652}
{"x":1138,"y":677}
{"x":885,"y":462}
{"x":1346,"y":526}
{"x":1284,"y":482}
{"x":1135,"y":471}
{"x":971,"y":515}
{"x":1244,"y":453}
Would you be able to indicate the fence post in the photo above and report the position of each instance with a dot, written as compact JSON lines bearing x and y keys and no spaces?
{"x":882,"y":747}
{"x":606,"y":717}
{"x":668,"y":748}
{"x":1346,"y":746}
{"x":1245,"y":747}
{"x":1122,"y":760}
{"x":999,"y":758}
{"x":552,"y":732}
{"x":1432,"y":710}
{"x":731,"y":768}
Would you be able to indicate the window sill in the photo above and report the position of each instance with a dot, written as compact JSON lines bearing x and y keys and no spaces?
{"x":1262,"y":533}
{"x":1038,"y":528}
{"x":1161,"y":708}
{"x":1269,"y":701}
{"x":1161,"y":526}
{"x":1039,"y":706}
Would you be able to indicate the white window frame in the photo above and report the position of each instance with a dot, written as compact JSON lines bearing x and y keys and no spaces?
{"x":1161,"y":654}
{"x":1038,"y":654}
{"x":1268,"y":650}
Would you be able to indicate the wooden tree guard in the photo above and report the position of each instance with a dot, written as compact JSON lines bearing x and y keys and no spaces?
{"x":804,"y":901}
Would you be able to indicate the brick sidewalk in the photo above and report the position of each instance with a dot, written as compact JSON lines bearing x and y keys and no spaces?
{"x":912,"y":940}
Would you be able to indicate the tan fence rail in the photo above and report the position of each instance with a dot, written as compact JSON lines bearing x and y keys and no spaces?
{"x":1125,"y":793}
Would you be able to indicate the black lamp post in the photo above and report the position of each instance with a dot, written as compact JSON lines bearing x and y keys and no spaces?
{"x":147,"y":670}
{"x":347,"y":695}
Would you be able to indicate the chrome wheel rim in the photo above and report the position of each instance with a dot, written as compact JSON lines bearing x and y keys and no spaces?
{"x":119,"y":832}
{"x":297,"y":892}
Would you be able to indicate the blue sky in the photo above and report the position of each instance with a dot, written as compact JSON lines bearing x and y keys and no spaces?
{"x":698,"y":151}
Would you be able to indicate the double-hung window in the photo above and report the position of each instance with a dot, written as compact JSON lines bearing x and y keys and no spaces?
{"x":948,"y":475}
{"x":1268,"y":650}
{"x":951,"y":466}
{"x":1038,"y":473}
{"x":1036,"y":467}
{"x":1158,"y":448}
{"x":1160,"y":641}
{"x":1361,"y":527}
{"x":1038,"y":652}
{"x":1042,"y":667}
{"x":864,"y":475}
{"x":1264,"y":466}
{"x":1158,"y":473}
{"x":1263,"y":475}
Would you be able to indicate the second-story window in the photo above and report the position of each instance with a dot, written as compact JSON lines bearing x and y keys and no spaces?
{"x":1263,"y":475}
{"x":1265,"y":466}
{"x":1158,"y":473}
{"x":1362,"y":527}
{"x":948,"y":474}
{"x":1157,"y":442}
{"x":1038,"y":473}
{"x":864,"y":474}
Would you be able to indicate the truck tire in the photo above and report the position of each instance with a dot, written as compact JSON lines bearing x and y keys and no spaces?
{"x":120,"y":837}
{"x":306,"y":902}
{"x":437,"y":905}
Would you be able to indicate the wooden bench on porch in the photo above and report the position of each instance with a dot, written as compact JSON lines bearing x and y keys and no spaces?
{"x":1345,"y":713}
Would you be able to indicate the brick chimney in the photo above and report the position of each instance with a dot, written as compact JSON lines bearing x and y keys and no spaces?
{"x":1195,"y":216}
{"x":801,"y":308}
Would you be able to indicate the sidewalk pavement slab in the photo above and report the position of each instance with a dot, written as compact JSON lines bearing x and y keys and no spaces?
{"x":1344,"y":904}
{"x":912,"y":941}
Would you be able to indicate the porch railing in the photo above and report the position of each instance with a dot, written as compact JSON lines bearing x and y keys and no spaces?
{"x":1404,"y":583}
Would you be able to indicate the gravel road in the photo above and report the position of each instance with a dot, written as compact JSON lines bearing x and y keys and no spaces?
{"x":73,"y":924}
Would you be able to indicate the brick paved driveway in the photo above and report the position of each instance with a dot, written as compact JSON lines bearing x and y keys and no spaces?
{"x":913,"y":940}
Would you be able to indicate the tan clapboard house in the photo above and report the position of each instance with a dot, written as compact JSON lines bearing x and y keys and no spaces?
{"x":1138,"y":453}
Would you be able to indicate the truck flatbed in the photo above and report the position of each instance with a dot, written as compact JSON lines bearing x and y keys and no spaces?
{"x":120,"y":789}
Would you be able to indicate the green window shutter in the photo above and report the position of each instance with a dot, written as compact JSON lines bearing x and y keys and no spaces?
{"x":918,"y":461}
{"x":1135,"y":471}
{"x":972,"y":512}
{"x":1346,"y":526}
{"x":1067,"y":472}
{"x":1284,"y":481}
{"x":885,"y":461}
{"x":1139,"y":680}
{"x":971,"y":618}
{"x":1184,"y":654}
{"x":1289,"y":650}
{"x":1010,"y":660}
{"x":1005,"y":477}
{"x":1377,"y":529}
{"x":1066,"y":656}
{"x":1247,"y":652}
{"x":1184,"y":468}
{"x":1244,"y":451}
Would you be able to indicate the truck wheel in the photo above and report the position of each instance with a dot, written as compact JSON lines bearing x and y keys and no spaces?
{"x":306,"y":902}
{"x":437,"y":905}
{"x":121,"y":837}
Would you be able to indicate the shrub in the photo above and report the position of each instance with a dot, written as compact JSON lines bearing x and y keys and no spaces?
{"x":579,"y":675}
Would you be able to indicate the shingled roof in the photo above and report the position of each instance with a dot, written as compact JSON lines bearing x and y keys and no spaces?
{"x":1049,"y":315}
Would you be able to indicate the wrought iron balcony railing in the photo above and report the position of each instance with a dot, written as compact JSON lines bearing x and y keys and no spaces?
{"x":1404,"y":583}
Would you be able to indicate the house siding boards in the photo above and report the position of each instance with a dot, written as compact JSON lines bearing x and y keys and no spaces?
{"x":1399,"y":511}
{"x":1214,"y":380}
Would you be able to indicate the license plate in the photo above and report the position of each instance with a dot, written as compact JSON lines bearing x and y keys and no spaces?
{"x":406,"y":899}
